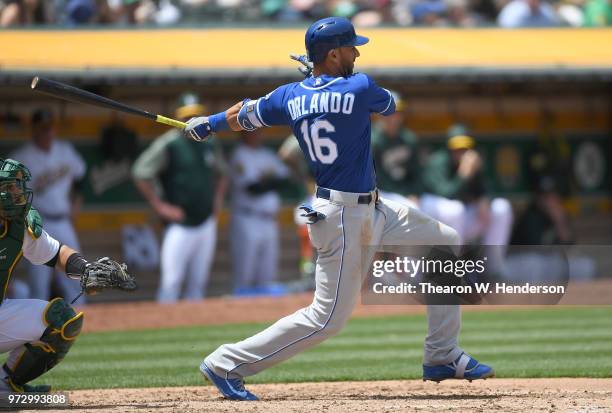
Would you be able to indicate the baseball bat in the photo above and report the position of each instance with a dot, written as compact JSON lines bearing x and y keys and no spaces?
{"x":74,"y":94}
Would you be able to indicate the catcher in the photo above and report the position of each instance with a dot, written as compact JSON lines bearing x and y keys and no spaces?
{"x":36,"y":333}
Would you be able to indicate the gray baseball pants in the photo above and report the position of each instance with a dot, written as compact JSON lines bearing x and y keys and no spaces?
{"x":339,"y":240}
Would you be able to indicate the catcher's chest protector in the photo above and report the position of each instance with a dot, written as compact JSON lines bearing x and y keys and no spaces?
{"x":11,"y":242}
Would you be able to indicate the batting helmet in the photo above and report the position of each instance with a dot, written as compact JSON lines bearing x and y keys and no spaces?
{"x":330,"y":33}
{"x":15,"y":196}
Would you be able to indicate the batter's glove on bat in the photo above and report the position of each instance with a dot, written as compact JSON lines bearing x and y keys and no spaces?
{"x":306,"y":69}
{"x":198,"y":129}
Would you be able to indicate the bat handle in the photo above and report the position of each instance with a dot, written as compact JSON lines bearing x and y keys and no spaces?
{"x":171,"y":122}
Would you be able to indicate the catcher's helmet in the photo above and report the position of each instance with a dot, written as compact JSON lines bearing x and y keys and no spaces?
{"x":15,"y":196}
{"x":330,"y":33}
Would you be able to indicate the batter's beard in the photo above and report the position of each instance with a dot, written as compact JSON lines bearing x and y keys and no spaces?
{"x":347,"y":71}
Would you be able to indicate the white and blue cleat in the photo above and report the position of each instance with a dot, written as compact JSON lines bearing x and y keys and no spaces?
{"x":463,"y":368}
{"x":230,"y":388}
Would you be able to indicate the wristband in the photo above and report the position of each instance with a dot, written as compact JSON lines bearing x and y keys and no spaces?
{"x":218,"y":122}
{"x":76,"y":264}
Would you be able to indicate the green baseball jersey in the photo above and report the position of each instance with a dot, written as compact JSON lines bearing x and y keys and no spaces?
{"x":440,"y":178}
{"x":185,"y":172}
{"x":397,"y":162}
{"x":11,"y":244}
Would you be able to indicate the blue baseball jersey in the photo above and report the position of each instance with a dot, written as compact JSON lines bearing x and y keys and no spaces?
{"x":330,"y":116}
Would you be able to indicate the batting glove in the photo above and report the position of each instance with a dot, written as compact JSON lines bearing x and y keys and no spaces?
{"x":198,"y":129}
{"x":312,"y":216}
{"x":306,"y":69}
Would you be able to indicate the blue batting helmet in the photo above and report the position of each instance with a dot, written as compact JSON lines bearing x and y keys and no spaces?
{"x":330,"y":33}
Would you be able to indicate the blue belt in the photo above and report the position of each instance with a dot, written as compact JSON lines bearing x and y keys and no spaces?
{"x":325,"y":193}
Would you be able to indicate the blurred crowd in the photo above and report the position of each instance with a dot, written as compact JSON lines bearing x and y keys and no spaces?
{"x":364,"y":13}
{"x":187,"y":184}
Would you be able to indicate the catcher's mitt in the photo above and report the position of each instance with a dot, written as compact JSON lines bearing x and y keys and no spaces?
{"x":106,"y":273}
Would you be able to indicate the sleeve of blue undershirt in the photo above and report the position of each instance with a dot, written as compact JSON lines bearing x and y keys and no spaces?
{"x":271,"y":109}
{"x":379,"y":99}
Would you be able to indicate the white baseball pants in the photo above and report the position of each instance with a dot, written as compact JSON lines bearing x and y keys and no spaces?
{"x":187,"y":251}
{"x":254,"y":245}
{"x":21,"y":321}
{"x":464,"y":218}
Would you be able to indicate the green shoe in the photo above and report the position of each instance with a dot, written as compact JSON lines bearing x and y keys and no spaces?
{"x":28,"y":388}
{"x":39,"y":388}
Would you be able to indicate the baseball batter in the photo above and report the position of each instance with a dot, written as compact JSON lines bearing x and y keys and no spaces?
{"x":36,"y":333}
{"x":329,"y":113}
{"x":56,"y":167}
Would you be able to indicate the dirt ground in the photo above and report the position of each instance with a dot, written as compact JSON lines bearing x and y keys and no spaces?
{"x":498,"y":395}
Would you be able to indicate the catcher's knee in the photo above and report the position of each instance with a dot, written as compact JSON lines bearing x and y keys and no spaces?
{"x":63,"y":327}
{"x":63,"y":323}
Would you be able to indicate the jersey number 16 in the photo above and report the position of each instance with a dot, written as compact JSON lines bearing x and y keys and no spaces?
{"x":316,"y":143}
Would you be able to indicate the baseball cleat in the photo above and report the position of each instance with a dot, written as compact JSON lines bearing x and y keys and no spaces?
{"x":464,"y":367}
{"x":39,"y":388}
{"x":230,"y":388}
{"x":7,"y":387}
